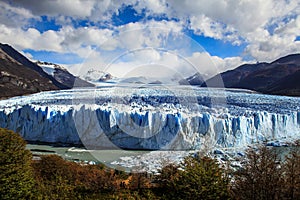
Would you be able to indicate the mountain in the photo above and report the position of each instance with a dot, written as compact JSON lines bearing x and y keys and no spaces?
{"x":17,"y":79}
{"x":20,"y":76}
{"x":147,"y":80}
{"x":97,"y":76}
{"x":15,"y":55}
{"x":61,"y":75}
{"x":269,"y":78}
{"x":101,"y":78}
{"x":196,"y":79}
{"x":290,"y":85}
{"x":157,"y":82}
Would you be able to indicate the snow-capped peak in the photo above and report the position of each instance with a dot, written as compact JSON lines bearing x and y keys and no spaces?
{"x":96,"y":76}
{"x":50,"y":68}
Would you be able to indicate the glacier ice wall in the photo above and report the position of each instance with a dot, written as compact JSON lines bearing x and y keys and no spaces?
{"x":139,"y":125}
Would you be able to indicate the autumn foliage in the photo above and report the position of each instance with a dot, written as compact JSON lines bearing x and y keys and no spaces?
{"x":264,"y":174}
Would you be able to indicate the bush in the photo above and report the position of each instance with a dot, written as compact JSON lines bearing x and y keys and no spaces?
{"x":291,"y":175}
{"x":199,"y":178}
{"x":54,"y":178}
{"x":16,"y":177}
{"x":61,"y":179}
{"x":260,"y":175}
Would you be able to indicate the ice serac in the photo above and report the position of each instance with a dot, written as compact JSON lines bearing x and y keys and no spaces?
{"x":41,"y":124}
{"x":61,"y":117}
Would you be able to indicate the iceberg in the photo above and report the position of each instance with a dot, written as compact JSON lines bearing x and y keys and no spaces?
{"x":153,"y":117}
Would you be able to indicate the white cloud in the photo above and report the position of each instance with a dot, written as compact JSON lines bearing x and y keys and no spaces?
{"x":211,"y":65}
{"x":74,"y":8}
{"x":224,"y":64}
{"x":151,"y":62}
{"x":249,"y":20}
{"x":207,"y":27}
{"x":67,"y":39}
{"x":74,"y":38}
{"x":236,"y":21}
{"x":27,"y":55}
{"x":291,"y":28}
{"x":152,"y":34}
{"x":244,"y":16}
{"x":151,"y":6}
{"x":31,"y":39}
{"x":14,"y":16}
{"x":264,"y":46}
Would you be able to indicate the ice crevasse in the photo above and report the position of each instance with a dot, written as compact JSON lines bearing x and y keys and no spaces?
{"x":142,"y":124}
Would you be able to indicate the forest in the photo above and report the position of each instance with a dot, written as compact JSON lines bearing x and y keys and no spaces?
{"x":263,"y":174}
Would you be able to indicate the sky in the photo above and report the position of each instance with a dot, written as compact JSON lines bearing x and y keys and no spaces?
{"x":152,"y":37}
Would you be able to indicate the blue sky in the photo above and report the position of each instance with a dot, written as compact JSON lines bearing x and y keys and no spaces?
{"x":127,"y":14}
{"x":43,"y":24}
{"x":212,"y":36}
{"x":54,"y":57}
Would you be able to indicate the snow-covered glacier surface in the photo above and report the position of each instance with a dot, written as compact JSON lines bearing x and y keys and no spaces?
{"x":153,"y":117}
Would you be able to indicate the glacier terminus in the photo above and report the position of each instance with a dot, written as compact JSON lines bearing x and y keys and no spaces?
{"x":153,"y":117}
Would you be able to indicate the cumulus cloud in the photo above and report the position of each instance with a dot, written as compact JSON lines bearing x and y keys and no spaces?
{"x":74,"y":8}
{"x":12,"y":16}
{"x":83,"y":40}
{"x":151,"y":7}
{"x":244,"y":16}
{"x":237,"y":21}
{"x":207,"y":27}
{"x":152,"y":34}
{"x":265,"y":46}
{"x":267,"y":28}
{"x":158,"y":63}
{"x":211,"y":65}
{"x":31,"y":39}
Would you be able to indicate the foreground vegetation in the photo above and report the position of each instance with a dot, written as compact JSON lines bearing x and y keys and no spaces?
{"x":262,"y":175}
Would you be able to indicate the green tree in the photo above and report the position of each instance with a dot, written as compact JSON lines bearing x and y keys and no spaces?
{"x":16,"y":177}
{"x":197,"y":178}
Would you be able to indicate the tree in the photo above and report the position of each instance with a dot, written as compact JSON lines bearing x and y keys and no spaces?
{"x":198,"y":178}
{"x":291,"y":167}
{"x":54,"y":177}
{"x":61,"y":179}
{"x":260,"y":176}
{"x":16,"y":177}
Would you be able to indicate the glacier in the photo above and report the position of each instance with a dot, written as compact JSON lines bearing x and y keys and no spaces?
{"x":153,"y":117}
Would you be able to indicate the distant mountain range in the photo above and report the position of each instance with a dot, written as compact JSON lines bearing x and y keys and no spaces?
{"x":94,"y":75}
{"x":281,"y":77}
{"x":196,"y":79}
{"x":20,"y":76}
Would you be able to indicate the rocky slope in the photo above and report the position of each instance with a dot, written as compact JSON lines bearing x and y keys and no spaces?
{"x":17,"y":79}
{"x":278,"y":77}
{"x":20,"y":76}
{"x":61,"y":75}
{"x":97,"y":76}
{"x":196,"y":79}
